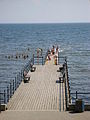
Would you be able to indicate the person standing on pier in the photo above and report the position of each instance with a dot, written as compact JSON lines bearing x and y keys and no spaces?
{"x":57,"y":49}
{"x":53,"y":50}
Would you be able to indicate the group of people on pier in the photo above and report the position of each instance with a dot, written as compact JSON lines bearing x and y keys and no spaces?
{"x":53,"y":52}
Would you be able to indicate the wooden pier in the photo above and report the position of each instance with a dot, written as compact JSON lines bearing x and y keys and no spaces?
{"x":44,"y":97}
{"x":43,"y":92}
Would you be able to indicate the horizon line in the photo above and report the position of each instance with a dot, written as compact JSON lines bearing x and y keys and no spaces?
{"x":43,"y":22}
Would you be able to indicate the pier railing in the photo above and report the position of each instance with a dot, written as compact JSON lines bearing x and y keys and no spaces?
{"x":67,"y":85}
{"x":63,"y":61}
{"x":85,"y":96}
{"x":9,"y":88}
{"x":27,"y":67}
{"x":38,"y":60}
{"x":46,"y":54}
{"x":41,"y":58}
{"x":71,"y":97}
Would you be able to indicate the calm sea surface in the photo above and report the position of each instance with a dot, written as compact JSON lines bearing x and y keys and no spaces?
{"x":73,"y":40}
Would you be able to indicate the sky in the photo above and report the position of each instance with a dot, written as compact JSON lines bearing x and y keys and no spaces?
{"x":44,"y":11}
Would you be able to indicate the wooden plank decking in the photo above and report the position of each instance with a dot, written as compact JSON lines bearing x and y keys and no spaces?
{"x":43,"y":98}
{"x":41,"y":93}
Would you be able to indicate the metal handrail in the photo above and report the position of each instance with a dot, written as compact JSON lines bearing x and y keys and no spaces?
{"x":67,"y":86}
{"x":38,"y":60}
{"x":79,"y":93}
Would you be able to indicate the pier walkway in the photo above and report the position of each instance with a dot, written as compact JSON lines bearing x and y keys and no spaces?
{"x":42,"y":93}
{"x":43,"y":98}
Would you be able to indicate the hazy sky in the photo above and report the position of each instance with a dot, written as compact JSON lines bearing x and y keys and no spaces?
{"x":43,"y":11}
